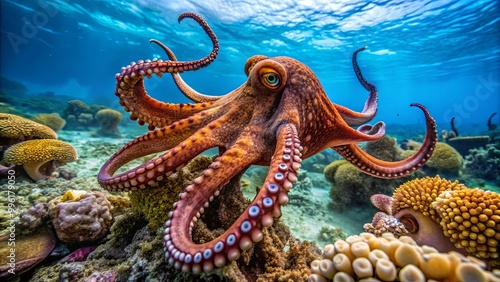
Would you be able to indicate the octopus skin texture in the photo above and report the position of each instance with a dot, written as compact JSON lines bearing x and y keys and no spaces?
{"x":278,"y":117}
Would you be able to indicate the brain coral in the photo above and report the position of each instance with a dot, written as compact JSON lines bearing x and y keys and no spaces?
{"x":365,"y":257}
{"x":19,"y":128}
{"x":40,"y":158}
{"x":86,"y":218}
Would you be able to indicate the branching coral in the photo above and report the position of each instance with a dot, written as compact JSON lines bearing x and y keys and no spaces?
{"x":386,"y":258}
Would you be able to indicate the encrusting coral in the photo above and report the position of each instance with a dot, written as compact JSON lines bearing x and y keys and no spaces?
{"x":365,"y":257}
{"x":40,"y":158}
{"x":108,"y":119}
{"x":467,"y":218}
{"x":54,"y":120}
{"x":81,"y":216}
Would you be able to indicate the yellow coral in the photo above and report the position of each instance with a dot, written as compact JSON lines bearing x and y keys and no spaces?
{"x":331,"y":169}
{"x":16,"y":127}
{"x":40,"y":157}
{"x":54,"y":121}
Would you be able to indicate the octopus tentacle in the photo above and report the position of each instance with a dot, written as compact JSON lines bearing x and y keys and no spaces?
{"x":179,"y":248}
{"x":183,"y":140}
{"x":187,"y":90}
{"x":134,"y":98}
{"x":354,"y":118}
{"x":384,"y":169}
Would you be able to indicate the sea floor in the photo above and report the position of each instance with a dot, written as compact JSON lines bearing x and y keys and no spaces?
{"x":307,"y":214}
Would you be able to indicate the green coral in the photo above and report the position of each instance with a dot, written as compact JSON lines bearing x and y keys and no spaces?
{"x":54,"y":121}
{"x":155,"y":203}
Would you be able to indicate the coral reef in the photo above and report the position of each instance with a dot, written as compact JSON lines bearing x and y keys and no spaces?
{"x":353,"y":187}
{"x":365,"y":257}
{"x":33,"y":217}
{"x":54,"y":120}
{"x":85,"y":217}
{"x":444,"y":214}
{"x":484,"y":162}
{"x":40,"y":158}
{"x":108,"y":119}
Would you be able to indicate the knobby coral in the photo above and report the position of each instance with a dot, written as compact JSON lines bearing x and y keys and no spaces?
{"x":365,"y":257}
{"x":40,"y":158}
{"x":14,"y":129}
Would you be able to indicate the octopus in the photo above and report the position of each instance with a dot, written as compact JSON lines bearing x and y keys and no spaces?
{"x":279,"y":116}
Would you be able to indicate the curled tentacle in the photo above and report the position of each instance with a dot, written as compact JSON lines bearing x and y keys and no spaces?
{"x":370,"y":109}
{"x":183,"y":140}
{"x":179,"y":248}
{"x":383,"y":169}
{"x":134,"y":98}
{"x":187,"y":90}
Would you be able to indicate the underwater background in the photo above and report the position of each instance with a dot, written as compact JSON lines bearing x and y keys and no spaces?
{"x":61,"y":57}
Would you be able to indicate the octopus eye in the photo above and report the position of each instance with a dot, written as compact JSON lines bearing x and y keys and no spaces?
{"x":270,"y":78}
{"x":410,"y":223}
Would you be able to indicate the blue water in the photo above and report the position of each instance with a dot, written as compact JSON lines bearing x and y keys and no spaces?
{"x":443,"y":54}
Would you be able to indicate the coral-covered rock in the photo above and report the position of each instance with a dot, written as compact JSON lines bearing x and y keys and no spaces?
{"x":54,"y":120}
{"x":485,"y":162}
{"x":86,"y":218}
{"x":108,"y":119}
{"x":444,"y":160}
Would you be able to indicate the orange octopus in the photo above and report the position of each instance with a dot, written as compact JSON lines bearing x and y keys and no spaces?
{"x":278,"y":117}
